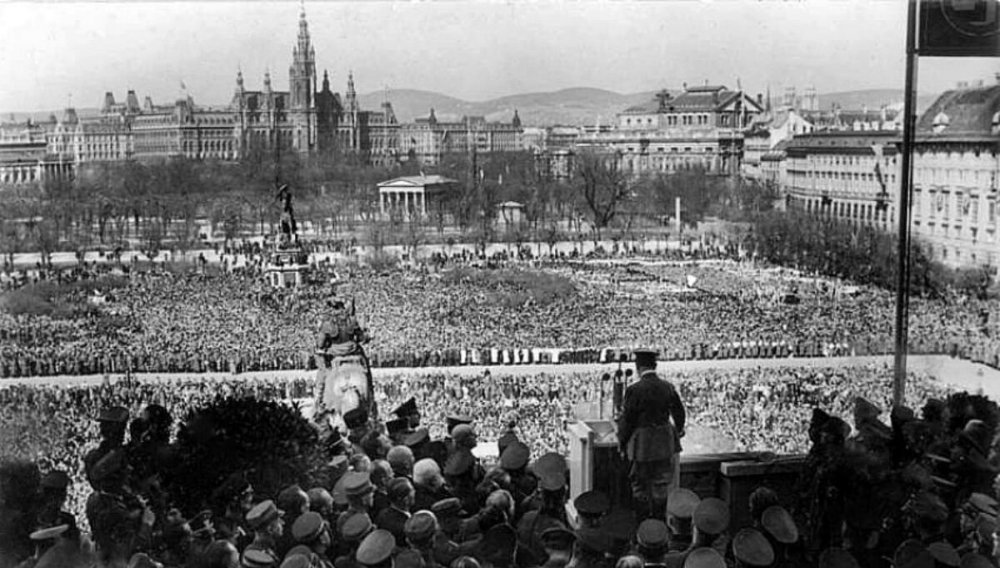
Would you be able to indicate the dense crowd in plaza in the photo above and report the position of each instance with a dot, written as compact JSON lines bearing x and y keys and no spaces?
{"x":161,"y":321}
{"x":502,"y":512}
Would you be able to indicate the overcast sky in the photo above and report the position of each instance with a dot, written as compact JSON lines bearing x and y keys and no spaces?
{"x":474,"y":50}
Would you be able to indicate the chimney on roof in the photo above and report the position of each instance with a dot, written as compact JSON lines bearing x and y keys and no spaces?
{"x":963,"y":84}
{"x":980,"y":83}
{"x":996,"y":77}
{"x":760,"y":99}
{"x":109,"y":101}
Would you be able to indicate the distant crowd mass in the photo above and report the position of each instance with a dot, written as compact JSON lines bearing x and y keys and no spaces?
{"x":433,"y":314}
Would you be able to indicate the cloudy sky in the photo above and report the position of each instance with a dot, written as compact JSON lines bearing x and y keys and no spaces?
{"x":474,"y":49}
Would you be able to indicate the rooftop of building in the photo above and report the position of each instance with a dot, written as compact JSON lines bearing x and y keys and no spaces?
{"x":962,"y":114}
{"x":417,"y":181}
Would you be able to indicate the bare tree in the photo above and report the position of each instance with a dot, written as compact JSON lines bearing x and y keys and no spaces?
{"x":603,"y":186}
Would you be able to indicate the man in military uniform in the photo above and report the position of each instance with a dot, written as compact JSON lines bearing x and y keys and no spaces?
{"x":649,"y":431}
{"x":113,"y":423}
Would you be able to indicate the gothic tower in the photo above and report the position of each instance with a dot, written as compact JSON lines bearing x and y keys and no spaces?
{"x":302,"y":84}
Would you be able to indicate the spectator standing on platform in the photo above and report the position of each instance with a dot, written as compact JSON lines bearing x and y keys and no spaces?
{"x":649,"y":431}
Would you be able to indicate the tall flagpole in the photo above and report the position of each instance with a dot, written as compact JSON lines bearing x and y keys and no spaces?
{"x":905,"y":188}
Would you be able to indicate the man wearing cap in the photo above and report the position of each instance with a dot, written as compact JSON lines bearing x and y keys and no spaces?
{"x":514,"y":460}
{"x":113,"y":424}
{"x":394,"y":517}
{"x":375,"y":551}
{"x":591,"y":549}
{"x":311,"y":530}
{"x":231,"y":502}
{"x":681,"y":505}
{"x":752,"y":549}
{"x":354,"y":530}
{"x":55,"y":486}
{"x":359,"y":490}
{"x":711,"y":523}
{"x":410,"y":415}
{"x":648,"y":438}
{"x":267,"y":522}
{"x":357,"y":424}
{"x":451,"y":422}
{"x":558,"y":543}
{"x":652,"y":540}
{"x":591,"y":506}
{"x":294,"y":502}
{"x":119,"y":521}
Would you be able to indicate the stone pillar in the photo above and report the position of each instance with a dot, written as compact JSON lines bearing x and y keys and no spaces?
{"x":381,"y":203}
{"x":423,"y":203}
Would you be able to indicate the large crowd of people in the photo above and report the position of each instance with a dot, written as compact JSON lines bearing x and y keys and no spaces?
{"x":86,"y":504}
{"x":161,"y":321}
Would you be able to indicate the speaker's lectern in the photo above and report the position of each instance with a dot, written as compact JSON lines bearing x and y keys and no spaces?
{"x":595,"y":463}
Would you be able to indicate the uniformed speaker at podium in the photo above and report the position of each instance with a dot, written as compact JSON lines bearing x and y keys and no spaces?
{"x":650,"y":428}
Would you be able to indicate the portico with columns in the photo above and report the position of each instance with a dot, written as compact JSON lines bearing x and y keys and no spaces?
{"x":408,"y":195}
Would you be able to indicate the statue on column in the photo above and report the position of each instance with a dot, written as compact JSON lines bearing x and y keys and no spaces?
{"x":289,"y":230}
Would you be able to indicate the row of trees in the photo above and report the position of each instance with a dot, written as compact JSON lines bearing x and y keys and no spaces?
{"x":154,"y":203}
{"x":862,"y":254}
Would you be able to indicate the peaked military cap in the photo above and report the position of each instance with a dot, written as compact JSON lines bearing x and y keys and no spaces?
{"x":558,"y":538}
{"x":515,"y":456}
{"x":356,"y":418}
{"x":449,"y":506}
{"x":397,"y":425}
{"x":752,"y":548}
{"x":944,"y":553}
{"x":308,"y":527}
{"x":257,"y":558}
{"x":376,"y":548}
{"x":263,"y":513}
{"x":357,"y":483}
{"x":711,"y":516}
{"x":652,"y":533}
{"x":407,"y":408}
{"x":299,"y":549}
{"x":975,"y":560}
{"x":682,"y":502}
{"x":416,"y":438}
{"x":704,"y":558}
{"x":455,"y":420}
{"x":421,"y":526}
{"x":645,"y":357}
{"x":983,"y":503}
{"x":779,"y":524}
{"x":356,"y":526}
{"x":49,"y":533}
{"x":912,"y":554}
{"x":297,"y":561}
{"x":837,"y":558}
{"x":114,"y":414}
{"x":592,"y":503}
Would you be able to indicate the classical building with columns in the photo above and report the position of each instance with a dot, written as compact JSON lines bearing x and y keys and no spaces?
{"x":407,"y":196}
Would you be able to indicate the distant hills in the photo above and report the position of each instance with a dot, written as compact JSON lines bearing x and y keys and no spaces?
{"x":576,"y":106}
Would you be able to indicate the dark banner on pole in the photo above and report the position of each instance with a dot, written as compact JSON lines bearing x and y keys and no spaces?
{"x":959,"y":28}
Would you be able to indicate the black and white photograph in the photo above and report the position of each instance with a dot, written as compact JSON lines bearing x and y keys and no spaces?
{"x":500,"y":284}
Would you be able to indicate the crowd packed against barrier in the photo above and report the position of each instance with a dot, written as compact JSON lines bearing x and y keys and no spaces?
{"x":232,"y":322}
{"x":96,"y":481}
